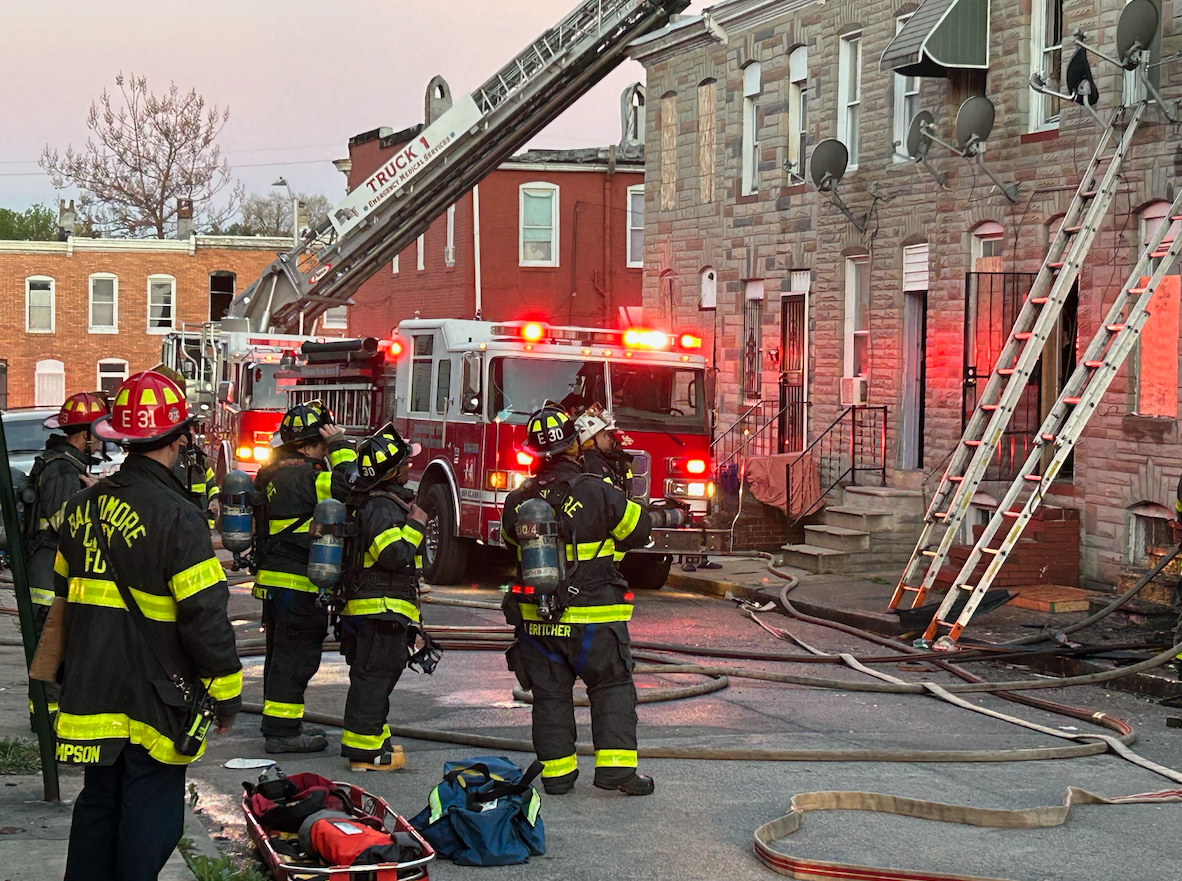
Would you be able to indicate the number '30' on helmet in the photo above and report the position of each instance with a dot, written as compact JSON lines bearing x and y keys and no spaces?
{"x":379,"y":455}
{"x":303,"y":423}
{"x":549,"y":432}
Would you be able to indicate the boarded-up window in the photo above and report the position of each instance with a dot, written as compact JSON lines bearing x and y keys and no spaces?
{"x":1157,"y":386}
{"x":707,"y":131}
{"x":669,"y":152}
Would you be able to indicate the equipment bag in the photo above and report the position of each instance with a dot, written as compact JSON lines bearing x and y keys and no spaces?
{"x":341,"y":840}
{"x":282,"y":805}
{"x":484,"y":813}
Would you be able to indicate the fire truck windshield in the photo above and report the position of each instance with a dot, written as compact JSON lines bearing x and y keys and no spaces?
{"x":259,"y":390}
{"x":657,"y":396}
{"x":522,"y":385}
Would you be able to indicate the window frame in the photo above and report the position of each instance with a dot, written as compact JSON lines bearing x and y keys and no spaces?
{"x":857,"y":277}
{"x":333,"y":323}
{"x":113,"y":327}
{"x":98,"y":368}
{"x":635,"y":261}
{"x":532,"y":188}
{"x":850,"y":98}
{"x":1040,"y":118}
{"x":449,"y":245}
{"x":416,"y":360}
{"x":798,"y":90}
{"x":52,"y":303}
{"x":421,"y":252}
{"x":753,"y":308}
{"x":60,"y":371}
{"x":749,"y":162}
{"x":157,"y":279}
{"x":902,"y":121}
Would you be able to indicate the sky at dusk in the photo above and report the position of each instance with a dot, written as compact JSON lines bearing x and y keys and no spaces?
{"x":299,"y":77}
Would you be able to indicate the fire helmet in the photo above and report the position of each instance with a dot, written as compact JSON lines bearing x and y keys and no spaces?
{"x":176,"y":376}
{"x":379,"y":455}
{"x":549,"y":432}
{"x":303,"y":423}
{"x":78,"y":412}
{"x":592,"y":421}
{"x":148,"y":407}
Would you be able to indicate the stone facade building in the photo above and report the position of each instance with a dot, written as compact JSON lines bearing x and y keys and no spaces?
{"x":799,"y":301}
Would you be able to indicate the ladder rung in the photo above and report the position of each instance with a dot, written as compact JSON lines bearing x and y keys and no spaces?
{"x":1138,"y":291}
{"x":1089,"y":194}
{"x":989,"y":408}
{"x":1023,"y":335}
{"x":1056,"y":265}
{"x":992,"y":551}
{"x":1037,"y":478}
{"x":1047,"y":438}
{"x":1072,"y":230}
{"x":1072,"y":401}
{"x":1115,"y":328}
{"x":972,"y":443}
{"x":956,"y":478}
{"x":1039,"y":301}
{"x":928,"y":552}
{"x":1176,"y":217}
{"x":1092,"y":365}
{"x":1013,"y":515}
{"x":1005,"y":371}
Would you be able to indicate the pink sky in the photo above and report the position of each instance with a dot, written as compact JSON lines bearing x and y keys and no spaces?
{"x":299,"y":77}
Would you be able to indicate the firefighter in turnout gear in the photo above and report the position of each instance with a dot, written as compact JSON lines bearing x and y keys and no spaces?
{"x":600,"y":448}
{"x":294,"y":615}
{"x":380,"y":616}
{"x":192,"y":466}
{"x":150,"y":662}
{"x":589,"y":639}
{"x":57,"y":475}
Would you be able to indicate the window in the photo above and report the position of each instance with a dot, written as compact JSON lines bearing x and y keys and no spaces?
{"x":539,"y":225}
{"x":849,"y":84}
{"x":221,"y":294}
{"x":39,"y":312}
{"x":708,"y":279}
{"x":707,"y":139}
{"x":798,"y":110}
{"x":420,"y":373}
{"x":752,"y":87}
{"x":449,"y":248}
{"x":1154,"y":364}
{"x":906,"y":103}
{"x":442,"y":385}
{"x":103,"y":299}
{"x":49,"y":388}
{"x":421,"y":250}
{"x":394,"y":265}
{"x":636,"y":226}
{"x":669,"y":152}
{"x":111,"y":372}
{"x":1046,"y":58}
{"x":753,"y":341}
{"x":1152,"y":217}
{"x":988,"y":247}
{"x":857,"y":316}
{"x":1148,"y":531}
{"x":336,"y":318}
{"x":161,"y":303}
{"x":519,"y":388}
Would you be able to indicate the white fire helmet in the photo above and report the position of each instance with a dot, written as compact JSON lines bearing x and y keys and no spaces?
{"x":591,"y":422}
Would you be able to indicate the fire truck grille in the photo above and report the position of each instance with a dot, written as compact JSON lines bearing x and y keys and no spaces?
{"x":642,"y":469}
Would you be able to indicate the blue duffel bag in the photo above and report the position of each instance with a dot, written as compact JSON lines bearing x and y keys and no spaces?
{"x":484,"y":813}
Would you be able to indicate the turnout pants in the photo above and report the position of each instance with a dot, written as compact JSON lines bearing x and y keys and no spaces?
{"x":40,"y":573}
{"x":127,"y":820}
{"x":600,"y":655}
{"x":376,"y":652}
{"x":295,"y":630}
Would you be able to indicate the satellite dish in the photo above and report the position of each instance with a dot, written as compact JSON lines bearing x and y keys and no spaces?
{"x":974,"y":121}
{"x":1135,"y":30}
{"x":919,"y":141}
{"x":828,"y":163}
{"x":1080,"y":83}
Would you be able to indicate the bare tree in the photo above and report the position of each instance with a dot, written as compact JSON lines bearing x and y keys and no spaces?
{"x":270,"y":214}
{"x":142,"y":157}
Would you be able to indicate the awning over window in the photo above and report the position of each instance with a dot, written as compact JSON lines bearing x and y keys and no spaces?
{"x":940,"y":36}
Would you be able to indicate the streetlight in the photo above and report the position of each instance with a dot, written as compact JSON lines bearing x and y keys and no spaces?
{"x":295,"y":210}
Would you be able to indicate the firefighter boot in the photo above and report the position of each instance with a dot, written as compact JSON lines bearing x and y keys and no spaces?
{"x":560,"y":785}
{"x":637,"y":784}
{"x":391,"y":759}
{"x":298,"y":743}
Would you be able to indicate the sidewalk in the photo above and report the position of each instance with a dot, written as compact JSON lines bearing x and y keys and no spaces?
{"x":861,"y":600}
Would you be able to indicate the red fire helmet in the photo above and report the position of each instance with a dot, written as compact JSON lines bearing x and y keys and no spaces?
{"x":78,"y":412}
{"x":147,"y":407}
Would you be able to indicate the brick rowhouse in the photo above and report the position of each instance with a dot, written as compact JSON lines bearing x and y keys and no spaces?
{"x":735,"y":239}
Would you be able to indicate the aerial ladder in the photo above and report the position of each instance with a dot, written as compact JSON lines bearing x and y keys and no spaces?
{"x":1079,"y":398}
{"x":384,"y":214}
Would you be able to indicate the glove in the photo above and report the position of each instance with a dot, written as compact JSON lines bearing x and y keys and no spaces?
{"x":225,"y":722}
{"x":331,"y":433}
{"x":417,"y":514}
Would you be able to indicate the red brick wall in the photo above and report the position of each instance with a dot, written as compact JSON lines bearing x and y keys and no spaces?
{"x":72,"y":342}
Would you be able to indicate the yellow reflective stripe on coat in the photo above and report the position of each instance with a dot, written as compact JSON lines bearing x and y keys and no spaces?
{"x":96,"y":592}
{"x":56,"y":520}
{"x":373,"y":742}
{"x":324,"y":485}
{"x":278,"y":710}
{"x":277,"y":526}
{"x":42,"y":596}
{"x":384,"y":539}
{"x":582,"y":614}
{"x":615,"y":758}
{"x":116,"y":726}
{"x":378,"y":605}
{"x":559,"y":767}
{"x":628,"y":522}
{"x":339,"y":457}
{"x":211,"y":484}
{"x":196,"y":578}
{"x":267,"y":578}
{"x":589,"y":550}
{"x":60,"y":566}
{"x":222,"y":688}
{"x":412,"y":535}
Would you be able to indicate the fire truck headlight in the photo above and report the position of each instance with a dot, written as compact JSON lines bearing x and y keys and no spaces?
{"x":686,"y":489}
{"x":261,"y":454}
{"x":242,"y":452}
{"x":517,"y":478}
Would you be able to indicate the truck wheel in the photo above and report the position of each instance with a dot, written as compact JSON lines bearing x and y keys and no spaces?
{"x":445,"y":555}
{"x":645,"y":571}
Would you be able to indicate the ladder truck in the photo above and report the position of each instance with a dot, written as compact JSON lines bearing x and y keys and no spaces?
{"x":397,"y":203}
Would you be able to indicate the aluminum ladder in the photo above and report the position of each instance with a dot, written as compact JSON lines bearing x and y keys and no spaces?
{"x":1033,"y":326}
{"x":1061,"y":429}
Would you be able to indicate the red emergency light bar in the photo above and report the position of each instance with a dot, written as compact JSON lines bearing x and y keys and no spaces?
{"x":532,"y":332}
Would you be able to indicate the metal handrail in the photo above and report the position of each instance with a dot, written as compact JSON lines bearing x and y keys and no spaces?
{"x":834,"y":461}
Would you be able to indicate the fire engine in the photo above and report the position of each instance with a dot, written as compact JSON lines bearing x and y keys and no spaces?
{"x":464,"y":390}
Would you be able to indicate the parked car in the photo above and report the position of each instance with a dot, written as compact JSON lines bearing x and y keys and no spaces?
{"x":26,"y":435}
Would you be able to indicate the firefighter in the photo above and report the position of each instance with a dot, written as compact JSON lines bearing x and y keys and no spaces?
{"x":138,"y":685}
{"x":589,"y":640}
{"x":57,"y":475}
{"x":192,"y":467}
{"x":600,"y":449}
{"x":294,"y":616}
{"x":380,"y":617}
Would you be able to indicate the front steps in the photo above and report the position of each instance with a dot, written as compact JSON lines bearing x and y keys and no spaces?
{"x":874,"y":528}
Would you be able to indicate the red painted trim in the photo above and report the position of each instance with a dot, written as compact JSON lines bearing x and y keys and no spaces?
{"x":1035,"y":137}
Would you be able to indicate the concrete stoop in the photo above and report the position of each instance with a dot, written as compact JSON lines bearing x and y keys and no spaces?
{"x":874,"y":527}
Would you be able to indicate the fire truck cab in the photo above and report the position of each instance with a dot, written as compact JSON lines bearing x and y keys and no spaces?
{"x":465,"y":389}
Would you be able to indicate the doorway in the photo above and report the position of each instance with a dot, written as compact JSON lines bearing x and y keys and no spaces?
{"x":793,"y":378}
{"x":915,"y":331}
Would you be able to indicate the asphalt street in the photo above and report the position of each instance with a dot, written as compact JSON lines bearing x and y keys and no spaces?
{"x":700,"y":821}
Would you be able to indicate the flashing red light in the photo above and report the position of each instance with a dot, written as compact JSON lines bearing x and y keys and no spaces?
{"x":689,"y":341}
{"x":533,"y":332}
{"x":645,"y":339}
{"x":392,"y":347}
{"x":696,"y":466}
{"x":524,"y":459}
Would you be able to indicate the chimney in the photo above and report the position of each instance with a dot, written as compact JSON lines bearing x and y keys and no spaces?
{"x":66,"y":217}
{"x":632,"y":117}
{"x":184,"y":219}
